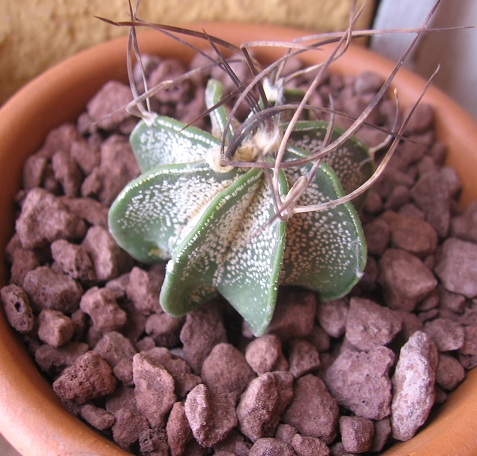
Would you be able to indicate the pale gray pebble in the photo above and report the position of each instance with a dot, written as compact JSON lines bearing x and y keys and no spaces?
{"x":413,"y":385}
{"x":262,"y":404}
{"x":211,"y":416}
{"x":457,"y":267}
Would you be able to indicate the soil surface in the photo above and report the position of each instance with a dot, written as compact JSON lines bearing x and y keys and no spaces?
{"x":344,"y":377}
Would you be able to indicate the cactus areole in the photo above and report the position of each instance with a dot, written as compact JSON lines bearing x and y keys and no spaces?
{"x":219,"y":227}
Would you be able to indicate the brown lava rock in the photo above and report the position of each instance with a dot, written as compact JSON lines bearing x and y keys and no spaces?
{"x":357,"y":433}
{"x":17,"y":308}
{"x":202,"y":330}
{"x":360,"y":382}
{"x":90,"y":377}
{"x":154,"y":389}
{"x":199,"y":384}
{"x":225,"y":370}
{"x":44,"y":219}
{"x":313,"y":411}
{"x":262,"y":404}
{"x":405,"y":279}
{"x":211,"y":416}
{"x":370,"y":325}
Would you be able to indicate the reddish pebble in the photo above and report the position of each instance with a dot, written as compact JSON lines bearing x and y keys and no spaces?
{"x":262,"y":404}
{"x":90,"y":377}
{"x":154,"y":389}
{"x":55,"y":328}
{"x":211,"y":416}
{"x":313,"y":411}
{"x":264,"y":354}
{"x":309,"y":446}
{"x":370,"y":325}
{"x":100,"y":304}
{"x":48,"y":289}
{"x":360,"y":381}
{"x":357,"y":433}
{"x":17,"y":308}
{"x":225,"y":370}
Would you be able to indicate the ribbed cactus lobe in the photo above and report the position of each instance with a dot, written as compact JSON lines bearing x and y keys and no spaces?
{"x":218,"y":226}
{"x":232,"y":249}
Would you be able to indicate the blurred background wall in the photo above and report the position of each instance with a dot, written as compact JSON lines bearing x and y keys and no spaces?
{"x":35,"y":34}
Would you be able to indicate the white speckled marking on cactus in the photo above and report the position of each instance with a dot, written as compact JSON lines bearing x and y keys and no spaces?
{"x":168,"y":141}
{"x":351,"y":162}
{"x":215,"y":226}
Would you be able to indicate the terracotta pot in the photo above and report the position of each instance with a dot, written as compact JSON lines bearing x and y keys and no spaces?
{"x":31,"y":416}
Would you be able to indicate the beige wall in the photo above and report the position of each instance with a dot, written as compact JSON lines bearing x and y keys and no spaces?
{"x":35,"y":34}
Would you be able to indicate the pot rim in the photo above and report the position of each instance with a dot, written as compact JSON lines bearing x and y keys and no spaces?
{"x":61,"y":432}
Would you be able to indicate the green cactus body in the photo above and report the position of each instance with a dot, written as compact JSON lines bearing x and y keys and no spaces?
{"x":213,"y":224}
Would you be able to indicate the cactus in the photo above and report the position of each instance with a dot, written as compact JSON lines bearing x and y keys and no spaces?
{"x":223,"y":230}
